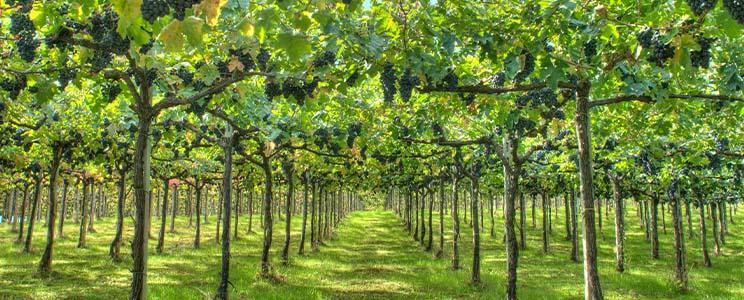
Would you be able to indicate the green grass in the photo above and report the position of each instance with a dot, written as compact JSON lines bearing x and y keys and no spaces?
{"x":371,"y":257}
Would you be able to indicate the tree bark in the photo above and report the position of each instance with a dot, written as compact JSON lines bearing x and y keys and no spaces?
{"x":92,"y":210}
{"x":305,"y":188}
{"x":422,"y":208}
{"x":475,"y":275}
{"x":238,"y":199}
{"x":250,"y":209}
{"x":416,"y":214}
{"x":288,"y":212}
{"x":431,"y":231}
{"x":522,"y":223}
{"x":227,"y":147}
{"x":442,"y":205}
{"x":679,"y":240}
{"x":314,"y":217}
{"x":619,"y":226}
{"x":655,"y":227}
{"x":511,"y":189}
{"x":268,"y":220}
{"x":574,"y":226}
{"x":567,"y":213}
{"x":545,"y":221}
{"x":174,"y":209}
{"x":45,"y":265}
{"x":455,"y":225}
{"x":62,"y":209}
{"x":83,"y":219}
{"x":23,"y":212}
{"x":688,"y":214}
{"x":197,"y":234}
{"x":703,"y":235}
{"x":13,"y":213}
{"x":114,"y":250}
{"x":219,"y":214}
{"x":722,"y":222}
{"x":32,"y":215}
{"x":716,"y":232}
{"x":592,"y":287}
{"x":142,"y":194}
{"x":163,"y":214}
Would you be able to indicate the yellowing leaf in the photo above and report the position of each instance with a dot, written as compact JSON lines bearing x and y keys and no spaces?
{"x":129,"y":13}
{"x":246,"y":27}
{"x":211,"y":10}
{"x":171,"y":36}
{"x":193,"y":30}
{"x":269,"y":148}
{"x":235,"y":64}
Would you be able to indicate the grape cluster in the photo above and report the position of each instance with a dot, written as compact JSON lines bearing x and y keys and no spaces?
{"x":354,"y":130}
{"x":66,"y":75}
{"x":735,"y":9}
{"x":111,"y":91}
{"x":468,"y":99}
{"x":388,"y":79}
{"x":34,"y":167}
{"x":722,"y":144}
{"x":14,"y":86}
{"x":714,"y":161}
{"x":245,"y":58}
{"x":103,"y":29}
{"x":186,"y":76}
{"x":498,"y":80}
{"x":437,"y":129}
{"x":536,"y":98}
{"x":99,"y":60}
{"x":154,"y":9}
{"x":527,"y":68}
{"x":26,"y":45}
{"x":75,"y":25}
{"x":18,"y":136}
{"x":406,"y":84}
{"x":700,"y":7}
{"x":149,"y":76}
{"x":63,"y":9}
{"x":590,"y":49}
{"x":322,"y":138}
{"x":20,"y":22}
{"x":57,"y":40}
{"x":562,"y":134}
{"x":524,"y":126}
{"x":263,"y":58}
{"x":294,"y":88}
{"x":326,"y":58}
{"x":647,"y":37}
{"x":272,"y":89}
{"x":146,"y":47}
{"x":451,"y":81}
{"x":197,"y":108}
{"x":660,"y":53}
{"x":179,"y":7}
{"x":610,"y":144}
{"x":701,"y":58}
{"x":643,"y":160}
{"x":352,"y":79}
{"x":549,"y":46}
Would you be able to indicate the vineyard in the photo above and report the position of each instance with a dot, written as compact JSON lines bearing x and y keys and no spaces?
{"x":369,"y":149}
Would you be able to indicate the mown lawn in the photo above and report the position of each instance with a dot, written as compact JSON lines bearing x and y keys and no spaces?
{"x":372,"y":257}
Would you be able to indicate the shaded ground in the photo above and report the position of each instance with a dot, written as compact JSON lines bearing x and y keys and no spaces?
{"x":371,"y":257}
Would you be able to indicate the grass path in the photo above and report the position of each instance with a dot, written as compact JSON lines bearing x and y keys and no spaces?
{"x":371,"y":257}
